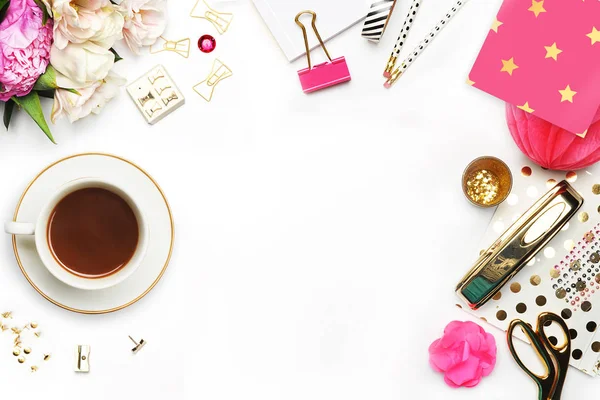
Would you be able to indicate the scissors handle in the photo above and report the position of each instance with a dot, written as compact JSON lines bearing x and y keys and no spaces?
{"x":555,"y":358}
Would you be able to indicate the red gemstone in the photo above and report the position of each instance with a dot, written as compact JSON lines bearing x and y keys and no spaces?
{"x":207,"y":43}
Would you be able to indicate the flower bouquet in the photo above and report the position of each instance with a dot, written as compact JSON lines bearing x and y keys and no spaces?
{"x":63,"y":50}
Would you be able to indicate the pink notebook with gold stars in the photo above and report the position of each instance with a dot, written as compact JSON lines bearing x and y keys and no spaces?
{"x":544,"y":57}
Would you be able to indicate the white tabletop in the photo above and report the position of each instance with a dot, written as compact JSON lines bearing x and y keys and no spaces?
{"x":318,"y":237}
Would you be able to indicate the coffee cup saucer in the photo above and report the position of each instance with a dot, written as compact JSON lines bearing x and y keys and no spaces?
{"x":160,"y":232}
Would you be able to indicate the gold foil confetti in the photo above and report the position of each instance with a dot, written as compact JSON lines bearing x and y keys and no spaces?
{"x":583,"y":216}
{"x":21,"y":360}
{"x":595,"y":257}
{"x":37,"y":334}
{"x":580,"y":286}
{"x":33,"y":325}
{"x":4,"y":327}
{"x":7,"y":314}
{"x":575,"y":265}
{"x":554,"y":273}
{"x":46,"y":357}
{"x":589,"y":237}
{"x":526,"y":171}
{"x":482,"y":187}
{"x":515,"y":287}
{"x":34,"y":368}
{"x":16,"y":331}
{"x":535,"y":280}
{"x":561,"y":293}
{"x":27,"y":350}
{"x":550,"y":183}
{"x":596,"y":189}
{"x":571,"y":176}
{"x":16,"y":352}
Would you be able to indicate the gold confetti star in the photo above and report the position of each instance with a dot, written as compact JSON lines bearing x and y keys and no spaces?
{"x":509,"y":66}
{"x":594,"y":35}
{"x":496,"y":25}
{"x":525,"y":107}
{"x":537,"y":7}
{"x":567,"y":94}
{"x":552,"y":51}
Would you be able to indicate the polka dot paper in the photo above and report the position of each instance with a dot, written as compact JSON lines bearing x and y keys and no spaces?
{"x":564,"y":277}
{"x":543,"y":57}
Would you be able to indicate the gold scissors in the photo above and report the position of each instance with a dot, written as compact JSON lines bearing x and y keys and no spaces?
{"x":556,"y":358}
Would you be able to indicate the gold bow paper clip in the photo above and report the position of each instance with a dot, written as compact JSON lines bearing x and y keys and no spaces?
{"x":181,"y":47}
{"x":219,"y":72}
{"x":220,"y":20}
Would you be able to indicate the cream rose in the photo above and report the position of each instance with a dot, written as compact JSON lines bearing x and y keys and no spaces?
{"x":79,"y":21}
{"x":145,"y":21}
{"x":91,"y":99}
{"x":82,"y":63}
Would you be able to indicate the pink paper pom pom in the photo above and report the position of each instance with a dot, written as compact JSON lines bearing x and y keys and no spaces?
{"x":550,"y":146}
{"x":465,"y":354}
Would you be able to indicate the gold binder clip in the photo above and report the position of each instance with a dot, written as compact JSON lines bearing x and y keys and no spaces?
{"x":219,"y":72}
{"x":82,"y":359}
{"x":181,"y":47}
{"x":220,"y":20}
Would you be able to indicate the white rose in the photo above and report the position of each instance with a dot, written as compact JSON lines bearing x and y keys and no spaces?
{"x":91,"y":99}
{"x":82,"y":63}
{"x":145,"y":21}
{"x":80,"y":21}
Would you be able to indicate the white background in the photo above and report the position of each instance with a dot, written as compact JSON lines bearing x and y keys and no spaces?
{"x":318,"y":238}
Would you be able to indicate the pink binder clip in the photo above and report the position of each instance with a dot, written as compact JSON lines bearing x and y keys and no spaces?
{"x":323,"y":75}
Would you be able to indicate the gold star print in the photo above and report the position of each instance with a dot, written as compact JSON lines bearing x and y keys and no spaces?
{"x":552,"y":51}
{"x":594,"y":35}
{"x":509,"y":66}
{"x":567,"y":94}
{"x":496,"y":25}
{"x":525,"y":107}
{"x":537,"y":7}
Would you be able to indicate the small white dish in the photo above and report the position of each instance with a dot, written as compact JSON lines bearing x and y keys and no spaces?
{"x":148,"y":197}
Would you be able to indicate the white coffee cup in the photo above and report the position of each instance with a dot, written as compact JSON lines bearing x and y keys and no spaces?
{"x":39,"y":229}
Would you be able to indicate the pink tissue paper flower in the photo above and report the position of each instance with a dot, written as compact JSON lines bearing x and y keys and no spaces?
{"x":24,"y":48}
{"x":465,"y":354}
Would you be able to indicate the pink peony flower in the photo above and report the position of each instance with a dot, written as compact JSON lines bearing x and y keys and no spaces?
{"x":24,"y":48}
{"x":465,"y":354}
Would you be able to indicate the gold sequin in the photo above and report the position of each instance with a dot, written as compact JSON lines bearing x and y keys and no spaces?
{"x":515,"y":287}
{"x":535,"y":280}
{"x":589,"y":237}
{"x":580,"y":286}
{"x":561,"y":293}
{"x":596,"y":347}
{"x":526,"y":171}
{"x":46,"y":357}
{"x":497,"y":296}
{"x":554,"y":273}
{"x":482,"y":186}
{"x":596,"y":189}
{"x":501,"y":315}
{"x":595,"y":257}
{"x":575,"y":265}
{"x":16,"y":352}
{"x":34,"y":368}
{"x":21,"y":360}
{"x":571,"y":176}
{"x":27,"y":350}
{"x":33,"y":325}
{"x":583,"y":216}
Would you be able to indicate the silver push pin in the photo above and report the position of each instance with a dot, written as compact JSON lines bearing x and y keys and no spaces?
{"x":138,"y":346}
{"x":82,"y":359}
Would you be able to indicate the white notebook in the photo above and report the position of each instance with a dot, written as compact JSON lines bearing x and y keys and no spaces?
{"x":333,"y":17}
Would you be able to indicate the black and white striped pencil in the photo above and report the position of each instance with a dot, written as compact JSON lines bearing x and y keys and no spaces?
{"x":428,"y":39}
{"x":410,"y":17}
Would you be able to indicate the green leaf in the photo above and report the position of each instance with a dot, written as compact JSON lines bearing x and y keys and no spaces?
{"x":49,"y":94}
{"x":9,"y":106}
{"x":117,"y":56}
{"x":47,"y":80}
{"x":45,"y":14}
{"x":32,"y":106}
{"x":3,"y":8}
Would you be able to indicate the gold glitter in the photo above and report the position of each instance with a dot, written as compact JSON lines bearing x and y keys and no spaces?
{"x":583,"y":216}
{"x":569,"y":244}
{"x":7,"y":314}
{"x":550,"y":183}
{"x":34,"y":368}
{"x":21,"y":360}
{"x":27,"y":350}
{"x":16,"y":352}
{"x":33,"y":325}
{"x":554,"y":273}
{"x":535,"y":280}
{"x":482,"y":187}
{"x":596,"y":189}
{"x":46,"y":357}
{"x":515,"y":287}
{"x":526,"y":171}
{"x":571,"y":176}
